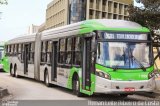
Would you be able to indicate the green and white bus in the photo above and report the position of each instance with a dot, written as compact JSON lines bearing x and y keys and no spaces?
{"x":89,"y":57}
{"x":4,"y":65}
{"x":1,"y":55}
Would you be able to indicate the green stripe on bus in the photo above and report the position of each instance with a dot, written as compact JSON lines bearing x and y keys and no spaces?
{"x":125,"y":75}
{"x":91,"y":25}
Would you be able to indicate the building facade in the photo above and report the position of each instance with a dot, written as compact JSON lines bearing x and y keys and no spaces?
{"x":63,"y":12}
{"x":33,"y":29}
{"x":57,"y":13}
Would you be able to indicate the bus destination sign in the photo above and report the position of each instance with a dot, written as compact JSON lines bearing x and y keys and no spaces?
{"x":125,"y":36}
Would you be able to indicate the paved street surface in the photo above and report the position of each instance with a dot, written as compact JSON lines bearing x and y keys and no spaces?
{"x":28,"y":89}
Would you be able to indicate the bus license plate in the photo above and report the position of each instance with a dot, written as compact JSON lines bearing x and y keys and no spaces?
{"x":129,"y":89}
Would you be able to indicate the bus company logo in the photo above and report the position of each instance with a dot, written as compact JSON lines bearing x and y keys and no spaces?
{"x":144,"y":76}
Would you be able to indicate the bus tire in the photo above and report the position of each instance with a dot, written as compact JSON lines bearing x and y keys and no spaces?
{"x":11,"y":71}
{"x":46,"y":79}
{"x":15,"y":71}
{"x":76,"y":86}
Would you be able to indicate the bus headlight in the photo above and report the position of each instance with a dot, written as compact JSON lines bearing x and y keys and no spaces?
{"x":151,"y":75}
{"x":102,"y":74}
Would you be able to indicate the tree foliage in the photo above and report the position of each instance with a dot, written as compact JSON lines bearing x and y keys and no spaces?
{"x":148,"y":15}
{"x":3,"y":2}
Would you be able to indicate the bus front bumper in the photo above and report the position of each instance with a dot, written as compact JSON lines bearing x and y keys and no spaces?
{"x":109,"y":86}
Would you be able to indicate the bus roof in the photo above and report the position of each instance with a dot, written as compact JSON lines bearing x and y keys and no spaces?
{"x":23,"y":39}
{"x":85,"y":27}
{"x":92,"y":25}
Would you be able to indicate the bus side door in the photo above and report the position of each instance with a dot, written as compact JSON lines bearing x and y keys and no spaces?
{"x":86,"y":64}
{"x":54,"y":61}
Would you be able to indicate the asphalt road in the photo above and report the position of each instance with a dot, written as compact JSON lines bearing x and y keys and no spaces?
{"x":29,"y":89}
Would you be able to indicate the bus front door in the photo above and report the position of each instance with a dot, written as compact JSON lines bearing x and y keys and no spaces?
{"x":86,"y":64}
{"x":26,"y":56}
{"x":54,"y":61}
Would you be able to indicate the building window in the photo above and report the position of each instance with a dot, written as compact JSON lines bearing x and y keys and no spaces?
{"x":91,"y":12}
{"x":104,"y":15}
{"x":104,"y":2}
{"x":114,"y":16}
{"x":115,"y":5}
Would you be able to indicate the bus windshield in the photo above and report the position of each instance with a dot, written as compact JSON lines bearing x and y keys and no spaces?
{"x":1,"y":52}
{"x":124,"y":55}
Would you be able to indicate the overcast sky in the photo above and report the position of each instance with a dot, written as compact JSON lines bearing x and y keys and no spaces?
{"x":18,"y":15}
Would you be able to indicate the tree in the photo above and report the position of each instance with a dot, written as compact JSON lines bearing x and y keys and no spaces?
{"x":148,"y":15}
{"x":3,"y":2}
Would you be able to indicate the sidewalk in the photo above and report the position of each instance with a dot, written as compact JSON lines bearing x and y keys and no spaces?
{"x":3,"y":92}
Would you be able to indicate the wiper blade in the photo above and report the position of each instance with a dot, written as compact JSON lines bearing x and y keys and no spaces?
{"x":124,"y":56}
{"x":115,"y":68}
{"x":138,"y":62}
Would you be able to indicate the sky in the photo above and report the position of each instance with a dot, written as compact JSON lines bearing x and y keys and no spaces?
{"x":18,"y":15}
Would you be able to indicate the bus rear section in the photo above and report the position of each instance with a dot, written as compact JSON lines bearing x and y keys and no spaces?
{"x":1,"y":57}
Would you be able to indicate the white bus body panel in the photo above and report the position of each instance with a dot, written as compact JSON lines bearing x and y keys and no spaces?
{"x":109,"y":86}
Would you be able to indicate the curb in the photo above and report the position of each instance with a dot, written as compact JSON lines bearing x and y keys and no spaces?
{"x":3,"y":92}
{"x":153,"y":94}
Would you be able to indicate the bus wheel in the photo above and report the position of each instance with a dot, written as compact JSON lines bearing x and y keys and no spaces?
{"x":15,"y":72}
{"x":76,"y":87}
{"x":12,"y":72}
{"x":46,"y":79}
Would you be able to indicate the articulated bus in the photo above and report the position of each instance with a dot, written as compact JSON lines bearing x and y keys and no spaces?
{"x":89,"y":57}
{"x":4,"y":65}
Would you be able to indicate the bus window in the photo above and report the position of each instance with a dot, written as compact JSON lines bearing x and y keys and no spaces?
{"x":69,"y":50}
{"x":9,"y":48}
{"x":62,"y":52}
{"x":22,"y":52}
{"x":49,"y":50}
{"x":76,"y":52}
{"x":31,"y":52}
{"x":17,"y":48}
{"x":6,"y":48}
{"x":46,"y":50}
{"x":1,"y":52}
{"x":43,"y":51}
{"x":13,"y":49}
